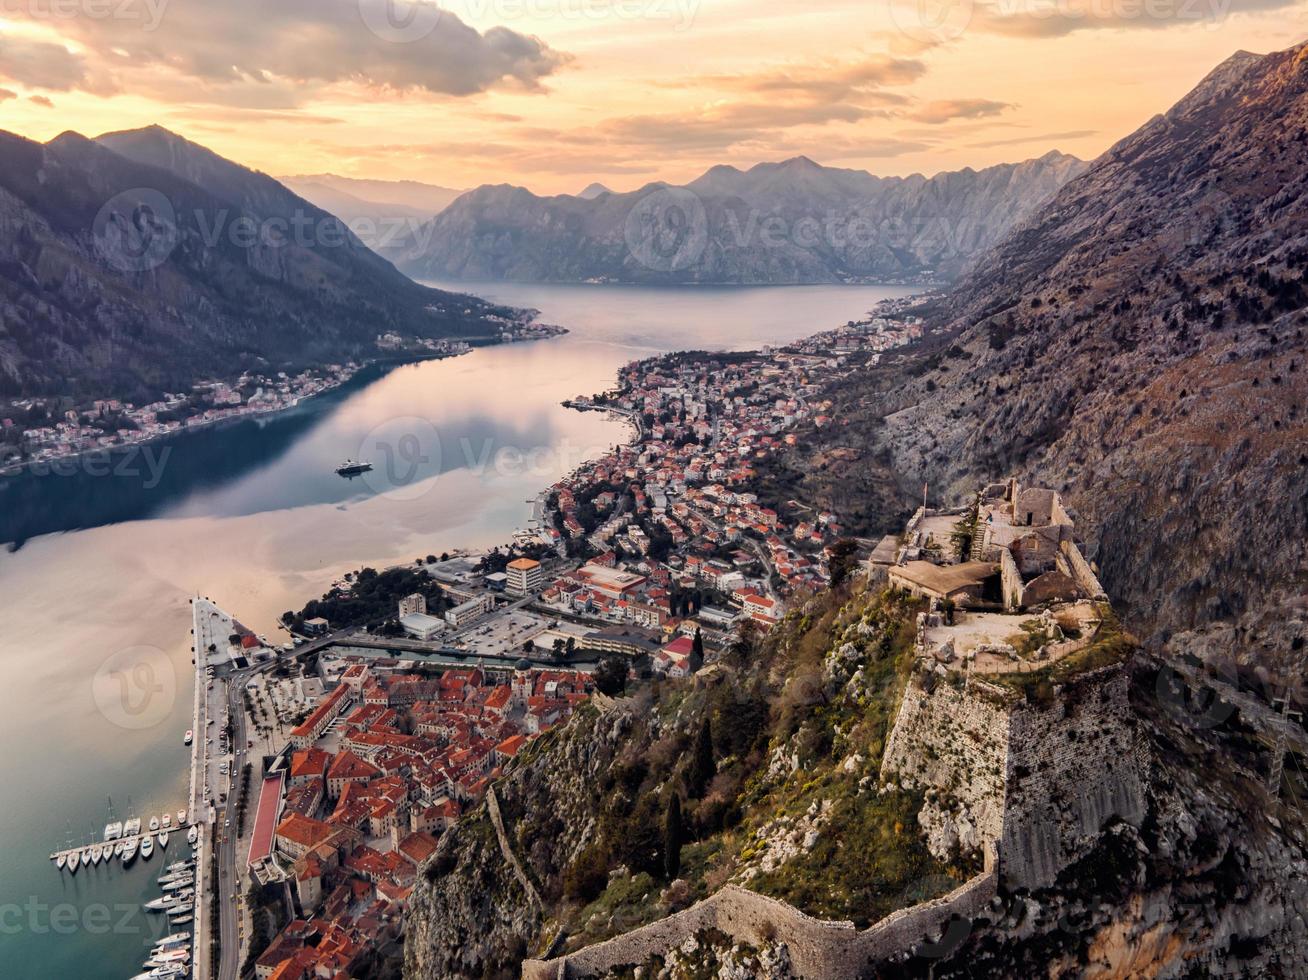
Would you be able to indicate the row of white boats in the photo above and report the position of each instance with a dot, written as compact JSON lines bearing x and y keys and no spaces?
{"x":171,"y":957}
{"x":124,"y":840}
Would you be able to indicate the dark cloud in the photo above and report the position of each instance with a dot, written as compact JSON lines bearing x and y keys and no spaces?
{"x":381,"y":43}
{"x":943,"y":110}
{"x":6,"y":95}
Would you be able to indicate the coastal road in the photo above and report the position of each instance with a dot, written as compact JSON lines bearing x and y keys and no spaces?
{"x":229,"y":879}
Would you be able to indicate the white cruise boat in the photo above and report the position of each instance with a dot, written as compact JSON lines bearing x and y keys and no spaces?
{"x":132,"y":828}
{"x":129,"y":852}
{"x":97,"y":852}
{"x":179,"y":884}
{"x":147,"y":847}
{"x":73,"y":860}
{"x":189,"y":737}
{"x":163,"y":839}
{"x":176,"y":939}
{"x":181,"y":817}
{"x":112,"y":831}
{"x":154,"y":824}
{"x":163,"y":903}
{"x":60,"y":861}
{"x":167,"y":822}
{"x":193,"y":835}
{"x":180,"y":866}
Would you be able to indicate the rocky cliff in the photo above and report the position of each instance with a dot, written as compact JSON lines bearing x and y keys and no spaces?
{"x":790,"y":222}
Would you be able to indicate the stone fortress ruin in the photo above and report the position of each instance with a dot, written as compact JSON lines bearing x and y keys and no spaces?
{"x":1015,"y":726}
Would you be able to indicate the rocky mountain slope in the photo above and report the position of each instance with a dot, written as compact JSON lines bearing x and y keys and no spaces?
{"x":1139,"y":343}
{"x":141,"y":261}
{"x":790,"y":222}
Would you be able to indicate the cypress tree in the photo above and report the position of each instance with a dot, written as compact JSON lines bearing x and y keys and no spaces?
{"x":672,"y":831}
{"x":702,"y":767}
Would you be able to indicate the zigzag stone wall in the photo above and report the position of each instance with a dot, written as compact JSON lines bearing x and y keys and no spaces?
{"x":818,"y":949}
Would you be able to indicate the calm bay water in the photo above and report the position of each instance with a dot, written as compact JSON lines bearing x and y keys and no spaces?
{"x":101,"y":566}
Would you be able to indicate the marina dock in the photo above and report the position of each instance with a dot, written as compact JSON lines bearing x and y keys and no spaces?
{"x":174,"y":833}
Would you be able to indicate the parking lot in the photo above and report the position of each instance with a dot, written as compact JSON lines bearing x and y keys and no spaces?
{"x":504,"y":634}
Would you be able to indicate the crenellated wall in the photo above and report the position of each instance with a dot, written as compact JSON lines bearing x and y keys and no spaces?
{"x":1079,"y":569}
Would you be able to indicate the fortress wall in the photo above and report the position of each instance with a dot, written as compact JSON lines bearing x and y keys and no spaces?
{"x":818,"y":949}
{"x":1079,"y":569}
{"x":1038,"y":782}
{"x":1072,"y":766}
{"x":953,"y":740}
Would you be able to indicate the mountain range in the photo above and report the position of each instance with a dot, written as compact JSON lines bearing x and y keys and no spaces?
{"x":140,"y":261}
{"x":776,"y":223}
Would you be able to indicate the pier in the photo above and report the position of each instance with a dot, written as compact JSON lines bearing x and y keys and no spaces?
{"x":173,"y":832}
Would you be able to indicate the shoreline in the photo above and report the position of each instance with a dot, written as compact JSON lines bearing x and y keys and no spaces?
{"x":52,"y":466}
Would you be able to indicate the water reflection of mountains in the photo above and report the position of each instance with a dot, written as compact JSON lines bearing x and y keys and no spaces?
{"x":137,"y":482}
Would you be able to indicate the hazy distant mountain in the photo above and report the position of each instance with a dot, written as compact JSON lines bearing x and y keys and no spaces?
{"x":789,"y":222}
{"x":428,"y":199}
{"x":385,"y":214}
{"x":140,"y":261}
{"x":593,"y":191}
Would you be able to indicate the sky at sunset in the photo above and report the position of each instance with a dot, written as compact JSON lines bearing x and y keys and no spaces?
{"x":555,"y":94}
